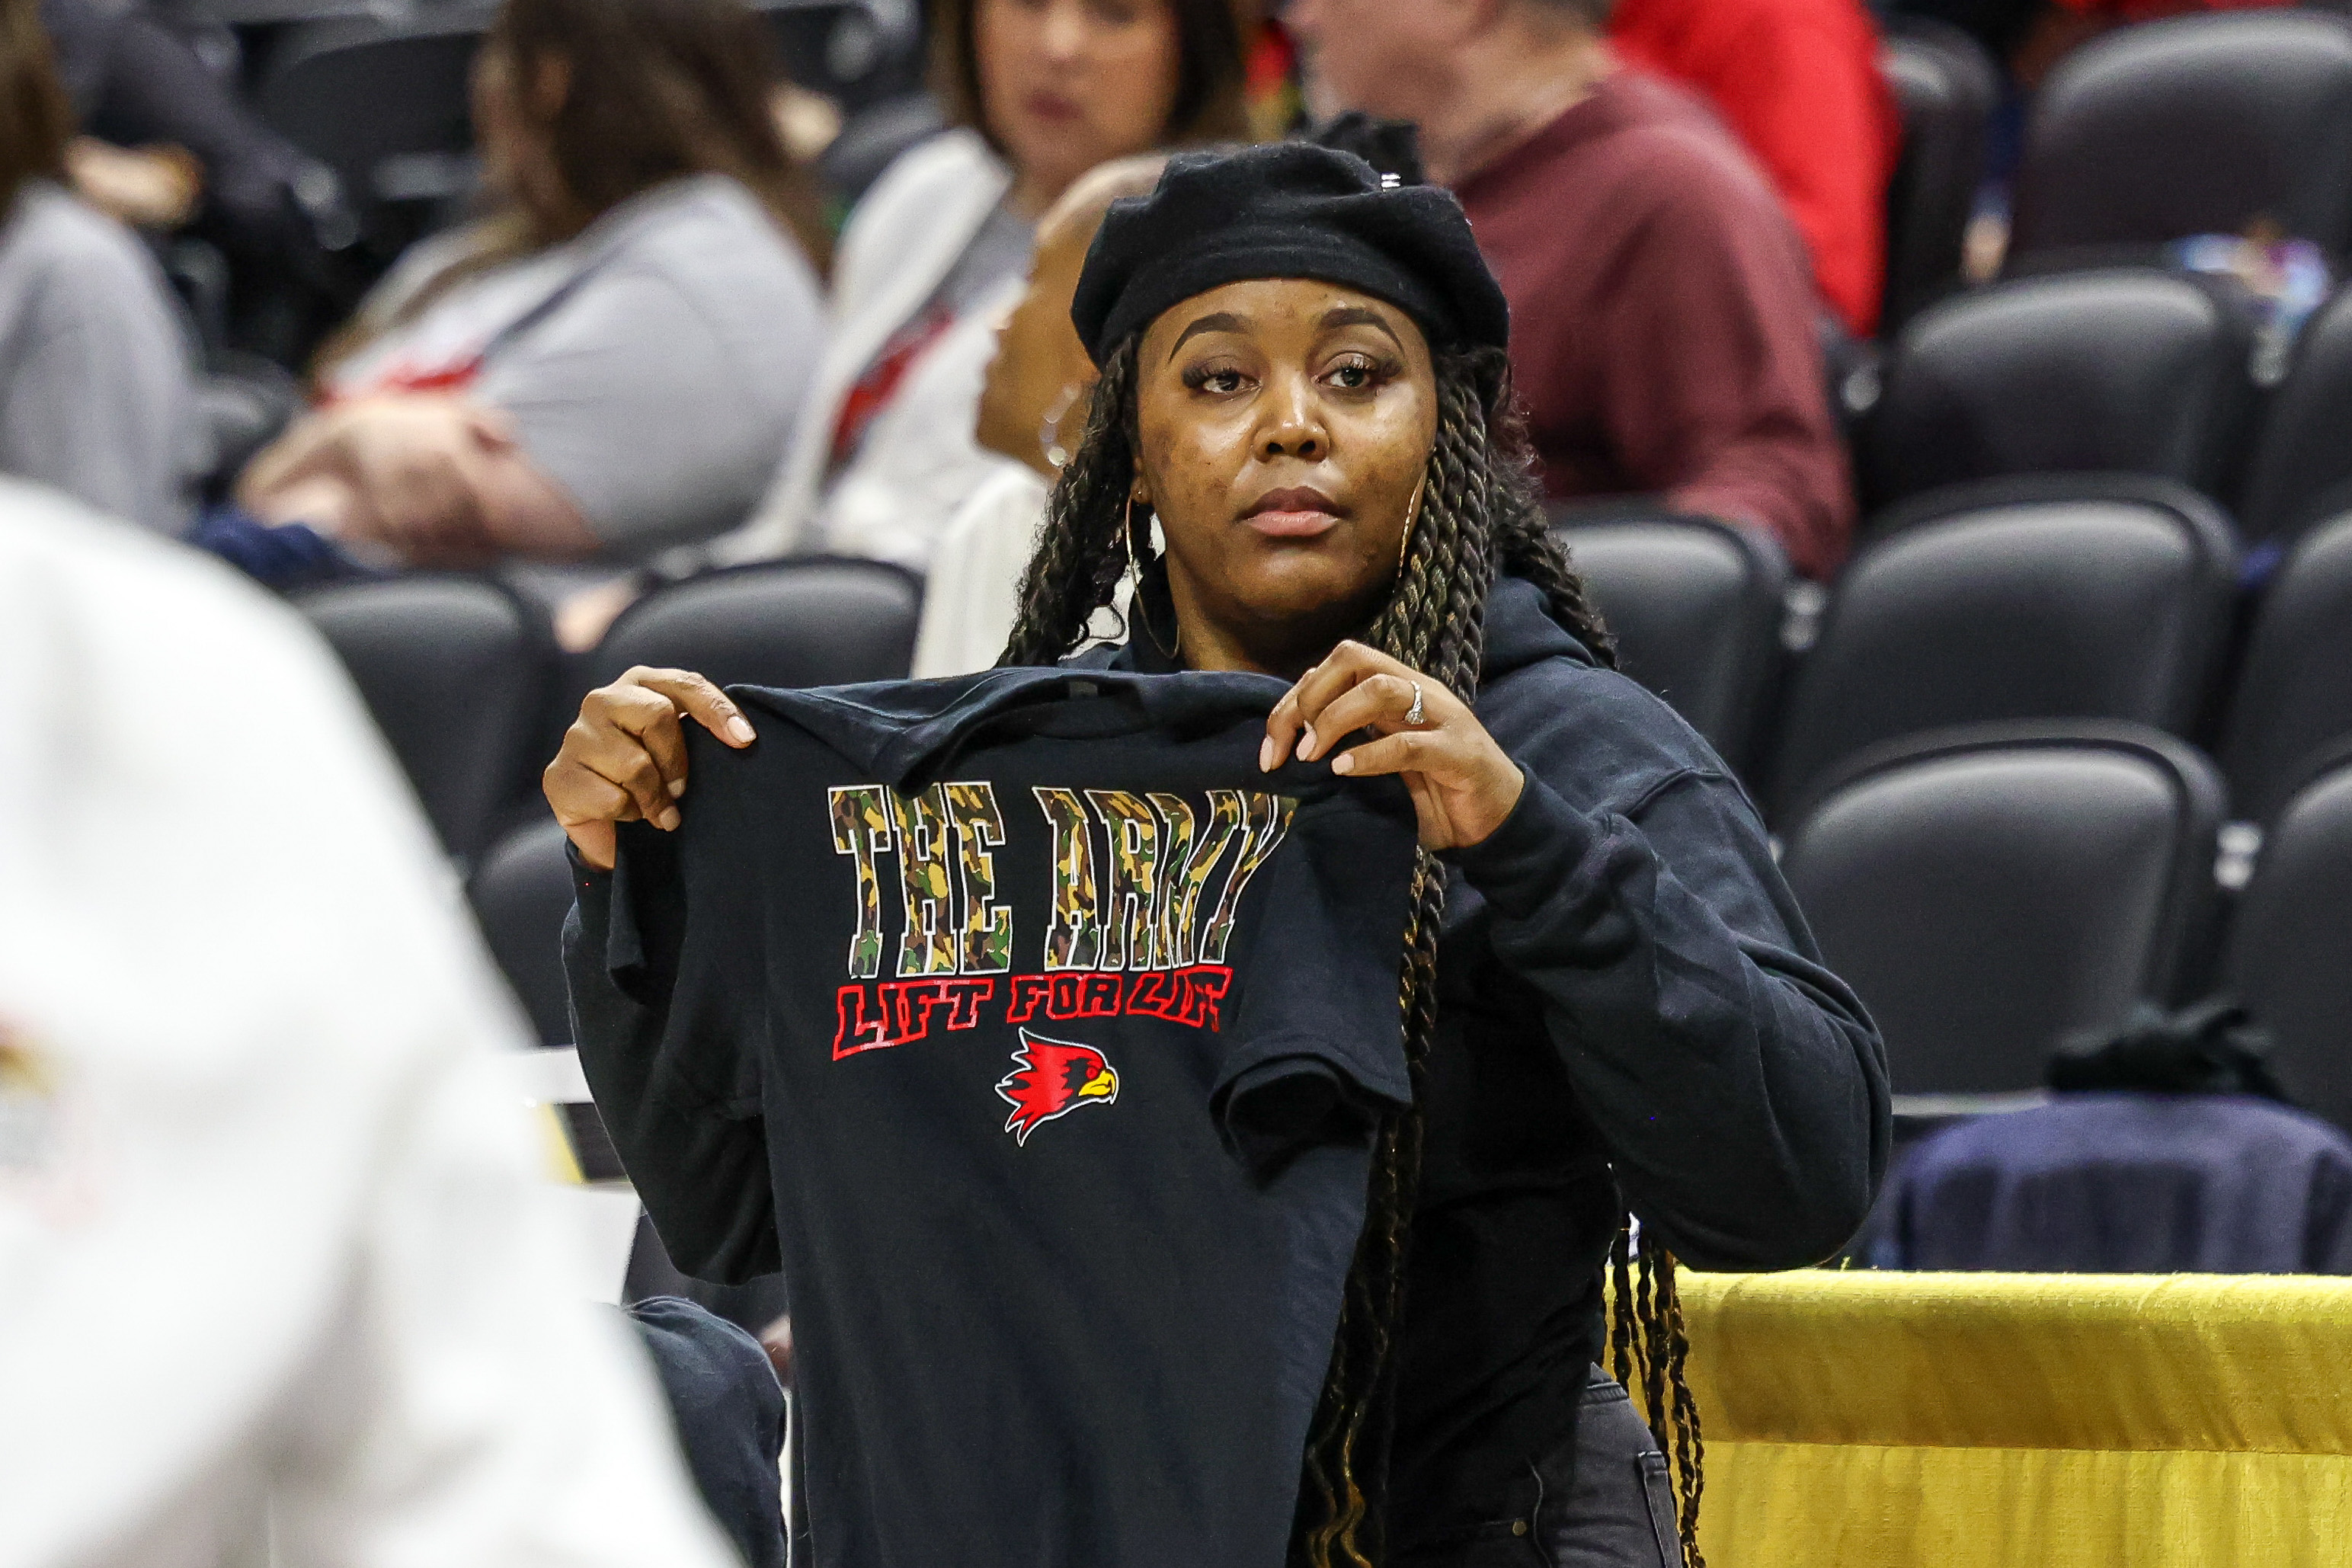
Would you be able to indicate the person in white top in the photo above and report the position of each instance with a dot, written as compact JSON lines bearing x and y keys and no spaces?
{"x":1033,"y":408}
{"x":1041,"y":91}
{"x":277,"y":1278}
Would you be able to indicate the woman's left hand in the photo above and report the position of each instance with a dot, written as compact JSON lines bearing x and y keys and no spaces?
{"x":1463,"y":783}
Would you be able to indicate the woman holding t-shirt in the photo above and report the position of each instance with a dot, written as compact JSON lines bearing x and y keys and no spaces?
{"x":1611,"y":1001}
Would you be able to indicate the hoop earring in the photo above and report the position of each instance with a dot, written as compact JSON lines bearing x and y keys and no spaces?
{"x":1135,"y":593}
{"x":1411,"y":522}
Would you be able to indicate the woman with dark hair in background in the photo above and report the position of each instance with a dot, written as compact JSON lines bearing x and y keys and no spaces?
{"x":1610,"y":1000}
{"x":1039,"y":92}
{"x":95,"y":395}
{"x":609,"y":363}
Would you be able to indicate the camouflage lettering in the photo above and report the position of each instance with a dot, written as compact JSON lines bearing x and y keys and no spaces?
{"x":1175,"y":857}
{"x":1074,"y":938}
{"x":861,"y":829}
{"x":1187,"y":866}
{"x":987,"y":942}
{"x":1131,"y":913}
{"x":928,"y":946}
{"x":1269,"y":819}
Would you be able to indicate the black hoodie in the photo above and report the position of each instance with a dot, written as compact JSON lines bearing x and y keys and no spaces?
{"x":1632,"y":1009}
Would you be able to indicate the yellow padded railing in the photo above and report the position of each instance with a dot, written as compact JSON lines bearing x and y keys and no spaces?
{"x":2015,"y":1421}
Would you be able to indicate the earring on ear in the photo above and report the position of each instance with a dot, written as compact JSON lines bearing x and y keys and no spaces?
{"x":1412,"y":522}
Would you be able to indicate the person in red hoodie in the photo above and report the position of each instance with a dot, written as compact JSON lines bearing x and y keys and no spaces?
{"x":1797,"y":81}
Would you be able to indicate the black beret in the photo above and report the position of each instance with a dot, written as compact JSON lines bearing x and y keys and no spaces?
{"x":1288,"y":209}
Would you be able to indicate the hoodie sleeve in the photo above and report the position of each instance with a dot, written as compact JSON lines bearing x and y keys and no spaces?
{"x":671,"y":1033}
{"x":1740,"y":1085}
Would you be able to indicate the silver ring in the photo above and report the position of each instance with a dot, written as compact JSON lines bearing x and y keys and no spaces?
{"x":1413,"y":714}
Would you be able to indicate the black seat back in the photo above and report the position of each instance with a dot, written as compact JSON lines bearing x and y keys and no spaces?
{"x":1695,"y":605}
{"x":2290,"y":953}
{"x":857,"y":53}
{"x":2302,"y":467}
{"x":1987,"y":889}
{"x":2051,"y":599}
{"x":2293,"y":695}
{"x":780,"y":623}
{"x":2196,"y":125}
{"x":1946,"y":87}
{"x":456,"y":673}
{"x":2131,"y":369}
{"x":520,"y":892}
{"x":384,"y":102}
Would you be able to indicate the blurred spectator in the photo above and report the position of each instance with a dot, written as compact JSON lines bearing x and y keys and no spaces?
{"x":1041,"y":91}
{"x":1664,"y":329}
{"x":607,"y":365}
{"x":1033,"y":406}
{"x":168,"y":145}
{"x":1797,"y":81}
{"x":277,"y":1281}
{"x":95,"y":373}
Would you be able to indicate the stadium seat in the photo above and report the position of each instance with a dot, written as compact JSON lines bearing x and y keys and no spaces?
{"x":2127,"y":371}
{"x":2196,"y":125}
{"x":456,"y":673}
{"x":2294,"y":694}
{"x":520,"y":893}
{"x":1987,"y":889}
{"x":2302,"y":468}
{"x":781,"y":622}
{"x":2290,"y":950}
{"x":2016,"y":599}
{"x":1946,"y":87}
{"x":1695,"y":606}
{"x":383,"y":100}
{"x":858,"y":53}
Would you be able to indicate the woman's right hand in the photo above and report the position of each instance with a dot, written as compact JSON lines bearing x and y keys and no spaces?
{"x":623,"y":759}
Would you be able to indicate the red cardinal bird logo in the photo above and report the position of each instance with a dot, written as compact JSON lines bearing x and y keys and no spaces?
{"x":1052,"y":1079}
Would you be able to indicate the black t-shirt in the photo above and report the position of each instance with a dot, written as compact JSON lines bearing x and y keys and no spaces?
{"x":1058,"y":1030}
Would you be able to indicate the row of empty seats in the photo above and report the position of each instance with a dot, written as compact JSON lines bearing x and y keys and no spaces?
{"x":2132,"y":370}
{"x":2207,"y":124}
{"x":2056,"y":598}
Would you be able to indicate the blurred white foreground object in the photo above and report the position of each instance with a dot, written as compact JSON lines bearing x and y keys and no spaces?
{"x":274,"y":1250}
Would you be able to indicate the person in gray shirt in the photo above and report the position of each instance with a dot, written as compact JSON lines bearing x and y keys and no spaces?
{"x":96,"y":377}
{"x":612,"y":362}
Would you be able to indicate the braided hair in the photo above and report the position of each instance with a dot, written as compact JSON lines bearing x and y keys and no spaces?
{"x":1480,"y":517}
